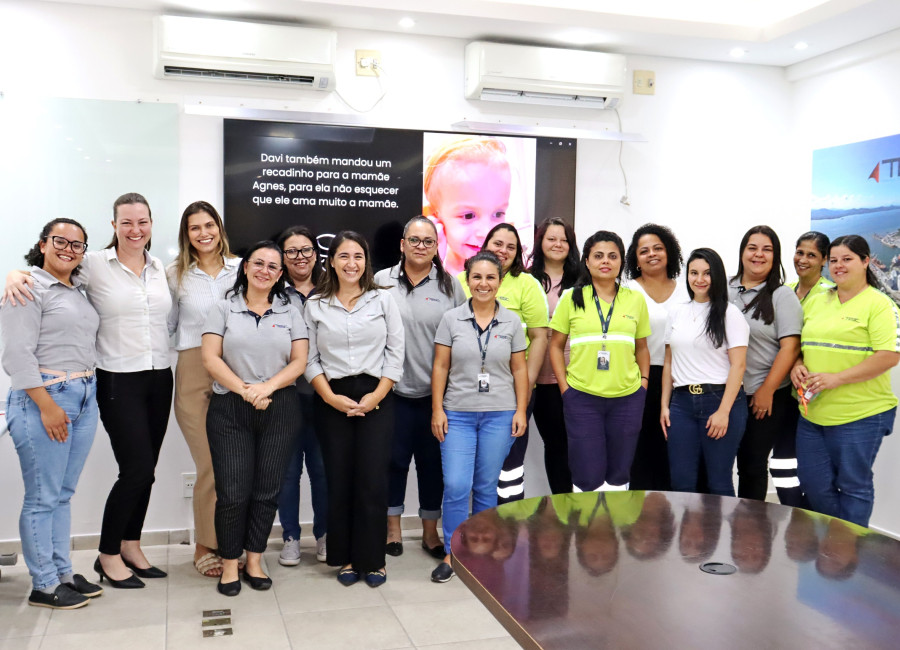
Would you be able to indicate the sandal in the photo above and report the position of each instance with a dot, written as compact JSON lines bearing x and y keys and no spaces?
{"x":208,"y":563}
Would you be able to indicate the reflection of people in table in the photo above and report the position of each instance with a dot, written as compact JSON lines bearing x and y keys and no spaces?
{"x":800,"y":540}
{"x":698,"y":536}
{"x":651,"y":535}
{"x":752,"y":532}
{"x":839,"y":551}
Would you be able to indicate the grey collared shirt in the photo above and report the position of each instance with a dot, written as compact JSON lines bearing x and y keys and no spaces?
{"x":765,"y":340}
{"x":254,"y":349}
{"x":56,"y":331}
{"x":506,"y":337}
{"x":298,"y":300}
{"x":421,"y":310}
{"x":366,"y":340}
{"x":193,"y":296}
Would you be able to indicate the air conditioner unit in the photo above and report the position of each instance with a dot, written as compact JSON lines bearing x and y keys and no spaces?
{"x":226,"y":50}
{"x":544,"y":75}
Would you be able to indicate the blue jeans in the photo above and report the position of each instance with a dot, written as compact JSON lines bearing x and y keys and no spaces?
{"x":688,"y":442}
{"x":50,"y":470}
{"x":835,"y":465}
{"x":472,"y":455}
{"x":413,"y":439}
{"x":289,"y":498}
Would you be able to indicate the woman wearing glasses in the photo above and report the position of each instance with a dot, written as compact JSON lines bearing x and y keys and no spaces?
{"x":424,"y":291}
{"x":198,"y":278}
{"x":49,"y":354}
{"x":254,"y":346}
{"x":304,"y":270}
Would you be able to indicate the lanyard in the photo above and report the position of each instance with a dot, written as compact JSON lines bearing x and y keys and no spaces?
{"x":483,"y":348}
{"x":604,"y":322}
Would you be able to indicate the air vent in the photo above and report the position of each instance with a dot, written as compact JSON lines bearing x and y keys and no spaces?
{"x":293,"y":80}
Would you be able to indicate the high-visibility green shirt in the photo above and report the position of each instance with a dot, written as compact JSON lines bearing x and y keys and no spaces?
{"x":630,"y":321}
{"x":523,"y":295}
{"x":821,"y":286}
{"x":839,"y":336}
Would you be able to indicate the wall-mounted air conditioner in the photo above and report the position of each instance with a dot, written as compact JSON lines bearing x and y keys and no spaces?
{"x":544,"y":75}
{"x":226,"y":50}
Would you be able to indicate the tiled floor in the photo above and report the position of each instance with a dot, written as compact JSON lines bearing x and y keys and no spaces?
{"x":306,"y":608}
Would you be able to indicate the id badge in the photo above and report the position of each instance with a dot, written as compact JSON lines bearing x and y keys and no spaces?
{"x":603,"y":360}
{"x":484,"y":382}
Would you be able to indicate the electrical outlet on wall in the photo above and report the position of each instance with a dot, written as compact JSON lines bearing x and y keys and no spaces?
{"x":366,"y":62}
{"x":644,"y":82}
{"x":188,"y":480}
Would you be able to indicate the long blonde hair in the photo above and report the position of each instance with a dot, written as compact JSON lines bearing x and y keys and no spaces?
{"x":187,"y":255}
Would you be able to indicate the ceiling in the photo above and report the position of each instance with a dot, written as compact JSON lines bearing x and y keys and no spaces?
{"x":765,"y":30}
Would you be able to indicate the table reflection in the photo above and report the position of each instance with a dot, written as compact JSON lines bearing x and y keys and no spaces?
{"x":604,"y":570}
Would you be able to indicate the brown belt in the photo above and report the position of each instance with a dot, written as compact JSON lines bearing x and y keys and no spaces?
{"x":63,"y":375}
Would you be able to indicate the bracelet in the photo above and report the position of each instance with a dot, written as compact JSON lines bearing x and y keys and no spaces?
{"x":647,"y":378}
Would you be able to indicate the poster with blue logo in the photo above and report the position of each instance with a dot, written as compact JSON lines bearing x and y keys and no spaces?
{"x":856,"y":190}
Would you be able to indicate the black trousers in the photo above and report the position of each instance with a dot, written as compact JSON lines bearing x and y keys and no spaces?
{"x":778,"y":431}
{"x":650,"y":468}
{"x":250,"y":452}
{"x":511,"y":486}
{"x":357,"y":455}
{"x":134,"y":409}
{"x":551,"y":425}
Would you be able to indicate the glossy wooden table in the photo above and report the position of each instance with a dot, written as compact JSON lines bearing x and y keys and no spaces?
{"x":622,"y":570}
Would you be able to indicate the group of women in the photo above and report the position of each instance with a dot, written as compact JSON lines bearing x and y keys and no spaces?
{"x":649,"y":383}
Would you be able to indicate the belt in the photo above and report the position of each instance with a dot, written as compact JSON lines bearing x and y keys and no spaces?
{"x":701,"y":389}
{"x":64,"y":375}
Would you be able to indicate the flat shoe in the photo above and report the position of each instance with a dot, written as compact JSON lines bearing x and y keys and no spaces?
{"x":259,"y":584}
{"x":151,"y":572}
{"x":348,"y":577}
{"x":63,"y":597}
{"x":82,"y":586}
{"x":376,"y":578}
{"x":442,"y":573}
{"x":394,"y":549}
{"x":436,"y":552}
{"x":229,"y":588}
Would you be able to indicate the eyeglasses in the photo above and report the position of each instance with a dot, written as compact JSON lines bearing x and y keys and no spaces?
{"x":61,"y":244}
{"x":259,"y":265}
{"x":415,"y":242}
{"x":306,"y":252}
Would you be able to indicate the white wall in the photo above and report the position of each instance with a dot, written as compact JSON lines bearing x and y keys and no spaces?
{"x":717,"y":159}
{"x":853,"y":103}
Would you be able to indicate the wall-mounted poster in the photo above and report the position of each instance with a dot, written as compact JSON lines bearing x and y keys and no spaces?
{"x":856,"y":190}
{"x":373,"y":180}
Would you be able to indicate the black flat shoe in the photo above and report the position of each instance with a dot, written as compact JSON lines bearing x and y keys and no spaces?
{"x":259,"y":584}
{"x":436,"y":552}
{"x":376,"y":578}
{"x":82,"y":586}
{"x":229,"y":588}
{"x":394,"y":548}
{"x":152,"y":572}
{"x":64,"y":597}
{"x":131,"y":582}
{"x":442,"y":573}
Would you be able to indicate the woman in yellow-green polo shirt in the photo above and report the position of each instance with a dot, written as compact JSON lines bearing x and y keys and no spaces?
{"x":605,"y":384}
{"x":850,"y":340}
{"x":810,"y":255}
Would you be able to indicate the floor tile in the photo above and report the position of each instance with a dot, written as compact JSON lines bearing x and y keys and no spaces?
{"x":407,"y":587}
{"x":19,"y":619}
{"x":428,"y":624}
{"x":116,"y":609}
{"x":372,"y":628}
{"x":501,"y":643}
{"x":187,"y":602}
{"x":249,"y":633}
{"x":309,"y":589}
{"x":22,"y":643}
{"x":134,"y":637}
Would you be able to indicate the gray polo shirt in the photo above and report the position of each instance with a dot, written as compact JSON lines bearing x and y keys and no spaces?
{"x":507,"y":336}
{"x":254,"y":351}
{"x":298,"y":300}
{"x":366,"y":340}
{"x":421,"y":310}
{"x":56,"y":331}
{"x":765,"y":339}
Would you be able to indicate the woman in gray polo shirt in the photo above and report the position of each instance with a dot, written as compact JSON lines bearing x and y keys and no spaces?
{"x":254,"y":346}
{"x":479,"y":396}
{"x":49,"y":353}
{"x":775,"y":317}
{"x":423,"y":291}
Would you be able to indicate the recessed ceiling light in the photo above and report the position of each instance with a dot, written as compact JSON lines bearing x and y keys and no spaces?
{"x":737,"y":52}
{"x":802,"y":45}
{"x":407,"y":23}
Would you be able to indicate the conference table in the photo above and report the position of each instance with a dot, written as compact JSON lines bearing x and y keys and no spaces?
{"x":677,"y":570}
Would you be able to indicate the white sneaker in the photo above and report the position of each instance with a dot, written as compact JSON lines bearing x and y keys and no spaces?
{"x":321,"y":553}
{"x":290,"y":554}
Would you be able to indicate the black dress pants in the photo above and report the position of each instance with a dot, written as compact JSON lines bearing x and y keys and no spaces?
{"x":134,"y":409}
{"x":551,"y":424}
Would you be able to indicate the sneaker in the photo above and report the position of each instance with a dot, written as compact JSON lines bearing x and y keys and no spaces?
{"x":321,"y":552}
{"x":442,"y":573}
{"x":64,"y":597}
{"x":290,"y":553}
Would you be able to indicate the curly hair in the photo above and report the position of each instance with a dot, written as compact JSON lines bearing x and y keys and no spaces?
{"x":674,"y":260}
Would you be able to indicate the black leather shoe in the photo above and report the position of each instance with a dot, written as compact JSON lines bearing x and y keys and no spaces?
{"x":152,"y":572}
{"x":131,"y":582}
{"x":394,"y":548}
{"x":442,"y":573}
{"x":82,"y":586}
{"x":229,"y":588}
{"x":436,"y":552}
{"x":259,"y":584}
{"x":64,"y":597}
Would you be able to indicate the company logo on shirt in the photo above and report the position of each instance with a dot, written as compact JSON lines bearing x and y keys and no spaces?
{"x":284,"y":327}
{"x":430,"y":299}
{"x":850,"y":318}
{"x":505,"y":337}
{"x":628,"y":316}
{"x":503,"y":298}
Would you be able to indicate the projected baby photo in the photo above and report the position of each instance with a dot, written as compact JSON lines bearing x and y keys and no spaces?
{"x":472,"y":183}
